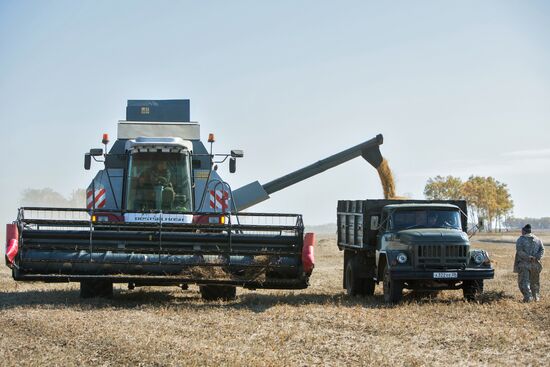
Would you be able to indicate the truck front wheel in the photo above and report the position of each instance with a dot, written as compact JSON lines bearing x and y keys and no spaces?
{"x":472,"y":289}
{"x":393,"y":289}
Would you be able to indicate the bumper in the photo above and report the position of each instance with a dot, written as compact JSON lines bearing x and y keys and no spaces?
{"x":468,"y":274}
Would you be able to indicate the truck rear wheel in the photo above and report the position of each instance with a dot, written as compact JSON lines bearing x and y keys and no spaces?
{"x":96,"y":288}
{"x":356,"y":286}
{"x":393,"y":289}
{"x":472,"y":289}
{"x":353,"y":283}
{"x":218,"y":292}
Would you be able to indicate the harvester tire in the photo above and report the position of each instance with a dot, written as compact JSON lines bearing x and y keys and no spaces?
{"x":96,"y":288}
{"x":218,"y":292}
{"x":393,"y":289}
{"x":472,"y":289}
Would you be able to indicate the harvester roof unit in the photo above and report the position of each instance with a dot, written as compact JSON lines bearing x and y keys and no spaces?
{"x":154,"y":118}
{"x":170,"y":110}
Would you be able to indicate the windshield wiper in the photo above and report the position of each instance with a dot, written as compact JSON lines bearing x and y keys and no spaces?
{"x":415,"y":226}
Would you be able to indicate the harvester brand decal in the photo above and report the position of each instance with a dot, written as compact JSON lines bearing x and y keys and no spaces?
{"x":97,"y":201}
{"x":157,"y":218}
{"x":219,"y":200}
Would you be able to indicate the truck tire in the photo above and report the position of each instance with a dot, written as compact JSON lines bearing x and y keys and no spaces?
{"x":96,"y":288}
{"x":472,"y":289}
{"x":356,"y":286}
{"x":353,"y":283}
{"x":368,"y":287}
{"x":393,"y":289}
{"x":218,"y":292}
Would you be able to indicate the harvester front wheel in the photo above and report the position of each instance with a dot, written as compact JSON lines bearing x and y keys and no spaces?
{"x":96,"y":288}
{"x":218,"y":292}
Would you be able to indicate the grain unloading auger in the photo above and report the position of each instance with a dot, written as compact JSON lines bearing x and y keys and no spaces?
{"x":160,"y":214}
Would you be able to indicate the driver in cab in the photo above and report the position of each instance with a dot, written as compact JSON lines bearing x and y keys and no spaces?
{"x":157,"y":177}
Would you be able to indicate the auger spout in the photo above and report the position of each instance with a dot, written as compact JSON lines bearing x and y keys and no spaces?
{"x":255,"y":192}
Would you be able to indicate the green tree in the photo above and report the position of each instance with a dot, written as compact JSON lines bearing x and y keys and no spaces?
{"x":50,"y":198}
{"x":488,"y":199}
{"x":443,"y":188}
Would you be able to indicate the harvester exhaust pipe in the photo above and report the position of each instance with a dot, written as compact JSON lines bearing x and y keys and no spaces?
{"x":255,"y":192}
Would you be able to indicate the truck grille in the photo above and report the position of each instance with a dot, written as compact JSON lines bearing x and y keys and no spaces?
{"x":441,"y":255}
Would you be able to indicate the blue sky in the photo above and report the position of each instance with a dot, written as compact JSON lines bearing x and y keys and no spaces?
{"x":456,"y":88}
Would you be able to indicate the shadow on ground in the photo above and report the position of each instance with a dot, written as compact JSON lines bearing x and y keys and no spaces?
{"x":255,"y":302}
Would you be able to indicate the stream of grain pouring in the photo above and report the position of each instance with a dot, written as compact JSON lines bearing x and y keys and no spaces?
{"x":386,"y":178}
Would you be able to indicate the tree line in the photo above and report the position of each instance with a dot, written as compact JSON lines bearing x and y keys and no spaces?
{"x":536,"y":223}
{"x":50,"y":198}
{"x":489,"y":201}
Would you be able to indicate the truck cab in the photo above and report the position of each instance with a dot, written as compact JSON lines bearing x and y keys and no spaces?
{"x":417,"y":245}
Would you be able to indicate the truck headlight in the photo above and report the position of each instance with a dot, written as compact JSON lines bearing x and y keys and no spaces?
{"x":479,"y":258}
{"x":401,"y":258}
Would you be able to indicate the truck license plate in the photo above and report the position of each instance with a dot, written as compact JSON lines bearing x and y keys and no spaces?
{"x":445,"y":275}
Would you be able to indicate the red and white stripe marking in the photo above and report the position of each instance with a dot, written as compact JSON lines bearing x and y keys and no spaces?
{"x":98,"y":201}
{"x":219,"y":200}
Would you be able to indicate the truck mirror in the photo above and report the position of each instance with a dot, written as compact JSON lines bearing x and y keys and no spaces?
{"x":237,"y":153}
{"x":374,"y":223}
{"x":232,"y":165}
{"x":96,"y":152}
{"x":87,"y":161}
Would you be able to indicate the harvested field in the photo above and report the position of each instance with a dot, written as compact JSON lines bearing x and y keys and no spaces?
{"x":47,"y":324}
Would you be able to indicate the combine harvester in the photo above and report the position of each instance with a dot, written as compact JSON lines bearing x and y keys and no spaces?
{"x":160,"y":214}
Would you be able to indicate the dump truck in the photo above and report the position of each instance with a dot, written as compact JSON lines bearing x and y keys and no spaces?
{"x":159,"y":213}
{"x":421,"y":245}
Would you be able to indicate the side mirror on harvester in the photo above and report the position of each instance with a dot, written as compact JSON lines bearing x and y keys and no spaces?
{"x":232,"y":165}
{"x":95,"y":152}
{"x":87,"y":161}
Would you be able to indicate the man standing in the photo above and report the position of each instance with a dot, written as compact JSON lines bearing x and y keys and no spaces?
{"x":529,"y":252}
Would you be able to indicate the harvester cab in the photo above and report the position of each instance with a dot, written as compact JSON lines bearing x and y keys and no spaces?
{"x":158,"y":166}
{"x":158,"y":213}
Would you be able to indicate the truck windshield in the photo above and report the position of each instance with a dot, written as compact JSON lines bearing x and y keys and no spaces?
{"x":425,"y":218}
{"x":159,"y":181}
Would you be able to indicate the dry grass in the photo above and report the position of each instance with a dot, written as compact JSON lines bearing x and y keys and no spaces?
{"x":47,"y":324}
